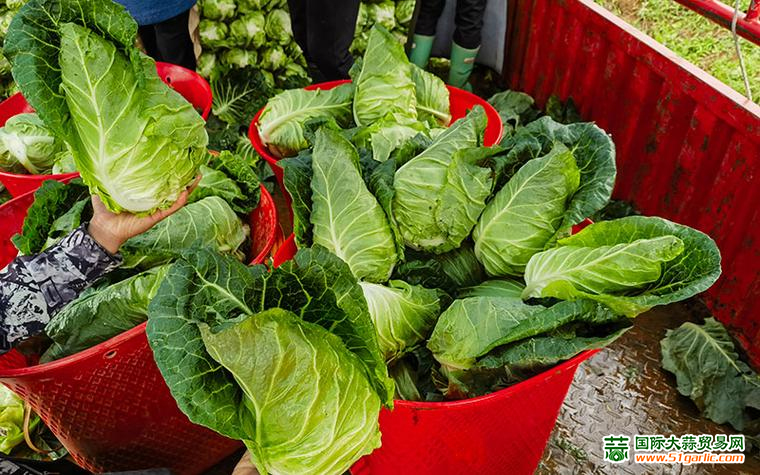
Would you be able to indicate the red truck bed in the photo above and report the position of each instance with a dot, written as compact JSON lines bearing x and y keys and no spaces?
{"x":688,"y":146}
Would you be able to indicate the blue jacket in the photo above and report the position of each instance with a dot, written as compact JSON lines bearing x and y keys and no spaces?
{"x":149,"y":12}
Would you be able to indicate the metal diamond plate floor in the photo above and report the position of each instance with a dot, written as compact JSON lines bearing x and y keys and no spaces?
{"x":624,"y":390}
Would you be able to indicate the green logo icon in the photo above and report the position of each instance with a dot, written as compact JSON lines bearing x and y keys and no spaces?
{"x":616,"y":448}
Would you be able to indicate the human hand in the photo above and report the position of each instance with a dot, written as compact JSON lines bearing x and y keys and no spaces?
{"x":245,"y":466}
{"x":276,"y":151}
{"x":111,"y":230}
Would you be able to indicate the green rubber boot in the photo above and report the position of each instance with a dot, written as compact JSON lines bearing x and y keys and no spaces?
{"x":462,"y":63}
{"x":421,"y":47}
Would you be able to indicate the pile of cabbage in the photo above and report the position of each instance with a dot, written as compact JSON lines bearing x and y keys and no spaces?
{"x":394,"y":16}
{"x":136,"y":142}
{"x":258,"y":33}
{"x":430,"y":267}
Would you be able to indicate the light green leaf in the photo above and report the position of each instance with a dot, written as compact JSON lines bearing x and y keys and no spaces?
{"x":505,"y":288}
{"x":430,"y":183}
{"x":30,"y":143}
{"x":526,"y":213}
{"x":384,"y":85}
{"x":432,"y":97}
{"x":387,"y":134}
{"x":11,"y":420}
{"x":472,"y":327}
{"x":599,"y":270}
{"x":210,"y":221}
{"x":347,"y":218}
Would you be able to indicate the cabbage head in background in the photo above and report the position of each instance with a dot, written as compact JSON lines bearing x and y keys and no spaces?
{"x":11,"y":420}
{"x":29,"y":146}
{"x":278,"y":27}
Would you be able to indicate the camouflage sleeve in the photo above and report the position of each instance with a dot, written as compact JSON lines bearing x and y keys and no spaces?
{"x":34,"y":288}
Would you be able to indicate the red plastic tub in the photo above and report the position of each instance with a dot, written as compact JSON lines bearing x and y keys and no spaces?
{"x":188,"y":83}
{"x":497,"y":434}
{"x":503,"y":433}
{"x":109,"y":405}
{"x":460,"y":102}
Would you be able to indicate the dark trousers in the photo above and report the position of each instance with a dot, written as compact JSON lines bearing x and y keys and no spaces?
{"x":468,"y":20}
{"x":324,"y":30}
{"x":169,"y":41}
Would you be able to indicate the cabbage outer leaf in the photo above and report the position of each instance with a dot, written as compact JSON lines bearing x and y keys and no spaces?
{"x":102,"y":313}
{"x":598,"y":270}
{"x":471,"y":328}
{"x":684,"y":275}
{"x":432,"y":97}
{"x":506,"y":288}
{"x":210,"y":221}
{"x":205,"y":287}
{"x":283,"y":119}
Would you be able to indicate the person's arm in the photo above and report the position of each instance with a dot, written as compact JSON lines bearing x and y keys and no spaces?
{"x":34,"y":288}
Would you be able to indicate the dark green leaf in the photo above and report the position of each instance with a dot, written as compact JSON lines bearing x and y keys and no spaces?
{"x":297,"y":175}
{"x":709,"y":371}
{"x":51,"y":201}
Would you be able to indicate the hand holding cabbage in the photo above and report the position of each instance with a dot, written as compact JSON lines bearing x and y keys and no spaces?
{"x":136,"y":142}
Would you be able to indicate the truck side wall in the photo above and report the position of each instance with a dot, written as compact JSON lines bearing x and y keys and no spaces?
{"x":688,"y":147}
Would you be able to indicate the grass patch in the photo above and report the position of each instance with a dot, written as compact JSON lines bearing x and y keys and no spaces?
{"x":694,"y":38}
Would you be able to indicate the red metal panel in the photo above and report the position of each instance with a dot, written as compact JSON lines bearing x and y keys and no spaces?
{"x":688,"y":146}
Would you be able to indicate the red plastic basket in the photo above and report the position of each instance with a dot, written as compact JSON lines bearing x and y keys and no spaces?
{"x":460,"y":102}
{"x":500,"y":433}
{"x":109,"y":404}
{"x":188,"y":83}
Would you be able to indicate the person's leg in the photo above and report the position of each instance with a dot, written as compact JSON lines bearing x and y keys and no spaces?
{"x":148,"y":39}
{"x":424,"y":31}
{"x":299,"y":24}
{"x":329,"y":35}
{"x":467,"y":38}
{"x":173,"y":42}
{"x":469,"y":23}
{"x":427,"y":20}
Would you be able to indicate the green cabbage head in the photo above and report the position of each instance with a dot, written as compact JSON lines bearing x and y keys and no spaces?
{"x":136,"y":142}
{"x":30,"y":146}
